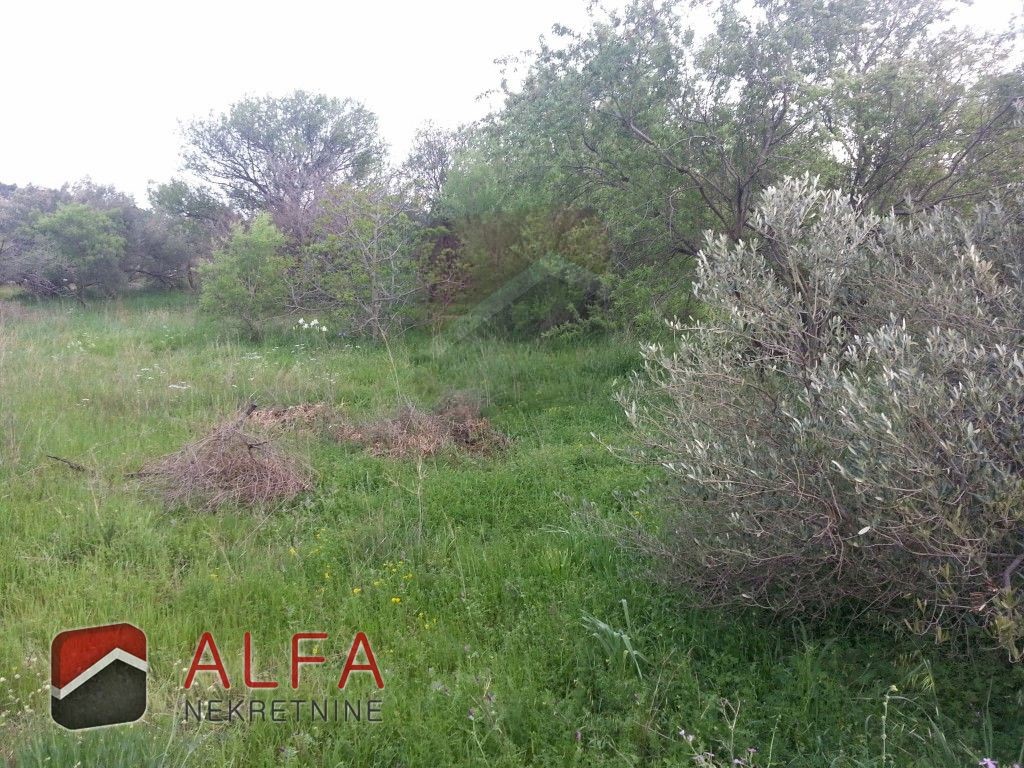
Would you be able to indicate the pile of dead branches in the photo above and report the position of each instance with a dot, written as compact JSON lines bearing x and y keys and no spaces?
{"x":292,"y":416}
{"x":455,"y":424}
{"x":227,"y":467}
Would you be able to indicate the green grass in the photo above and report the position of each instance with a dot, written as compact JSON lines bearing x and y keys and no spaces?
{"x":490,"y":657}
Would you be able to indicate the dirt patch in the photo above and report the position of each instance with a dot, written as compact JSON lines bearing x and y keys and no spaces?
{"x":227,"y":466}
{"x":455,"y":424}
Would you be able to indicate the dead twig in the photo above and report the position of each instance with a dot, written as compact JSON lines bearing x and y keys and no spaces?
{"x":72,"y":464}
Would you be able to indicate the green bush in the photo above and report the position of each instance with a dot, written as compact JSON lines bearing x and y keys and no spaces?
{"x":642,"y":299}
{"x":79,"y":250}
{"x":360,"y":271}
{"x":246,"y":282}
{"x":846,"y":425}
{"x":560,"y":253}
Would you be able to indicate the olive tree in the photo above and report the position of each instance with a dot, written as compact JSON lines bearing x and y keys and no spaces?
{"x":845,"y":426}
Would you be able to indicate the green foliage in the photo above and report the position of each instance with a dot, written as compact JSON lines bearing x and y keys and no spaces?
{"x":505,"y":238}
{"x":616,"y":643}
{"x":569,"y":253}
{"x":276,"y":154}
{"x":360,"y":269}
{"x":245,"y":282}
{"x":357,"y":275}
{"x":187,"y":202}
{"x":846,"y":424}
{"x":641,"y":301}
{"x":430,"y":160}
{"x":86,"y":247}
{"x":661,"y":134}
{"x":89,"y":239}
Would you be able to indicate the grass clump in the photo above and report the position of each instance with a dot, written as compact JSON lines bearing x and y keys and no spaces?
{"x":10,"y":311}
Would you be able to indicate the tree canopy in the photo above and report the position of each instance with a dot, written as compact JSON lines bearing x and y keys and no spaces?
{"x":278,"y":153}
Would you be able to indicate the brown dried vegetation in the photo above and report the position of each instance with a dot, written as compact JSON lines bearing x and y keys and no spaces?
{"x":456,"y":424}
{"x":11,"y":311}
{"x":293,"y":416}
{"x":227,"y":466}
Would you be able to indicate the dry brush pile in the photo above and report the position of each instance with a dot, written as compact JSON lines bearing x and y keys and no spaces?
{"x":240,"y":463}
{"x":228,"y":466}
{"x":454,"y":425}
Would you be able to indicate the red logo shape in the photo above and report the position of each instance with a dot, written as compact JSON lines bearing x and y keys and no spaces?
{"x":98,"y":676}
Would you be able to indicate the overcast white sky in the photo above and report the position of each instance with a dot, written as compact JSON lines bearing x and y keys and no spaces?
{"x":96,"y":88}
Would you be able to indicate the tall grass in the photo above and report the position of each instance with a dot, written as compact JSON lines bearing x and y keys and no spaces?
{"x":487,"y":655}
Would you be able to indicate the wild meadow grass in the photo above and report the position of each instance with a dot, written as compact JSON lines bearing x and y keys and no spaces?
{"x":510,"y":630}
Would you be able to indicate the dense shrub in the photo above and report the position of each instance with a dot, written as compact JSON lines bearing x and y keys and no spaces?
{"x":89,"y":239}
{"x":246,"y":282}
{"x":357,"y":274}
{"x":540,"y":259}
{"x":442,"y":271}
{"x":161,"y":252}
{"x":846,"y":425}
{"x":360,"y":271}
{"x":639,"y":300}
{"x":561,"y":254}
{"x":79,"y":249}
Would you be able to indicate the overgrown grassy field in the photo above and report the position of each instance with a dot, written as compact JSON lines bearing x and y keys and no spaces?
{"x":472,"y":576}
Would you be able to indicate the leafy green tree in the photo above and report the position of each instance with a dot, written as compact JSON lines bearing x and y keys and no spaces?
{"x":668,"y":134}
{"x":246,"y":283}
{"x":430,"y":160}
{"x":161,"y":251}
{"x":87,"y":247}
{"x":20,"y":262}
{"x":194,"y":205}
{"x":278,"y":154}
{"x":361,"y":269}
{"x":664,"y":134}
{"x":101,"y":243}
{"x":916,"y":111}
{"x":190,"y":218}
